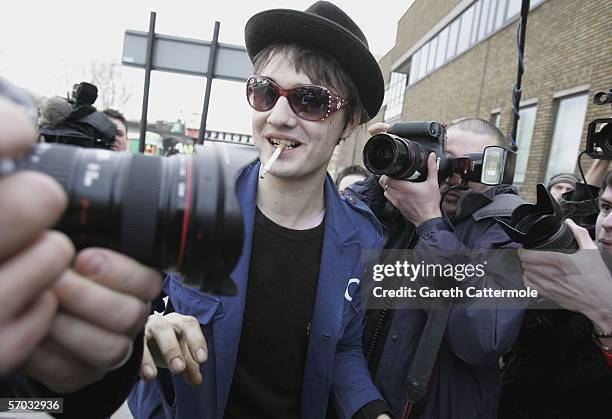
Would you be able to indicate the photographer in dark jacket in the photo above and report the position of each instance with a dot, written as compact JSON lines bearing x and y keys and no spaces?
{"x":465,"y":379}
{"x":561,"y":364}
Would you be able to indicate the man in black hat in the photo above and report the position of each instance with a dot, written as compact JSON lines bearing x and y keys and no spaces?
{"x":289,"y":344}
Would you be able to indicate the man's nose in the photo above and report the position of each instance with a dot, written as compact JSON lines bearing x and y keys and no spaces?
{"x":607,"y":222}
{"x":455,"y":179}
{"x":282,"y":114}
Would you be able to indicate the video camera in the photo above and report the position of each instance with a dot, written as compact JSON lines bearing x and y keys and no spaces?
{"x":402,"y":152}
{"x":599,"y":134}
{"x":76,"y":121}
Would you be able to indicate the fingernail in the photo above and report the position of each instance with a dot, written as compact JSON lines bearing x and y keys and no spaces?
{"x":201,"y":355}
{"x":95,"y":265}
{"x":177,"y":365}
{"x":147,"y":371}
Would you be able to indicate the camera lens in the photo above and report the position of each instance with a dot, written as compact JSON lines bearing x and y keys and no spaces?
{"x":177,"y":213}
{"x":388,"y":154}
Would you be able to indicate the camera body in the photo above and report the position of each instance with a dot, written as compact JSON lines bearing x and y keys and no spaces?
{"x":76,"y":121}
{"x":599,"y":134}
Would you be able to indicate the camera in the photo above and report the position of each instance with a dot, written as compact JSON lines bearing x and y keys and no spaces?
{"x":76,"y":121}
{"x":540,"y":225}
{"x":599,"y":134}
{"x":402,"y":153}
{"x":174,"y":213}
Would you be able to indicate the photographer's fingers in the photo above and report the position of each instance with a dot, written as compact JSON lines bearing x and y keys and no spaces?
{"x":162,"y":335}
{"x":432,"y":169}
{"x":27,"y":274}
{"x":31,"y":202}
{"x":119,"y":272}
{"x":581,"y":235}
{"x":60,"y":372}
{"x":17,"y":133}
{"x":20,"y":336}
{"x":191,"y":375}
{"x":98,"y":305}
{"x":93,"y":345}
{"x":378,"y":128}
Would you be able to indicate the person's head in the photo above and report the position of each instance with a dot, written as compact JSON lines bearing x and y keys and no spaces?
{"x":350,"y":175}
{"x":293,"y":53}
{"x":469,"y":135}
{"x":561,"y":183}
{"x":120,"y":143}
{"x":603,"y":225}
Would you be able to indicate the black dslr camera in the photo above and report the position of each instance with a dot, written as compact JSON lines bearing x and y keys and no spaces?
{"x":402,"y":152}
{"x":599,"y":135}
{"x":76,"y":121}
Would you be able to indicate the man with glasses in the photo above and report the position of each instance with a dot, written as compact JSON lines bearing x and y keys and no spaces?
{"x":289,"y":343}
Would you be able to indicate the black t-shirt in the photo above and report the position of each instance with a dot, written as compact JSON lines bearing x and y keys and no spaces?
{"x":283,"y":275}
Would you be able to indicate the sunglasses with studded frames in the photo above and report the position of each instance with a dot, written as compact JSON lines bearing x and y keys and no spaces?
{"x":309,"y":102}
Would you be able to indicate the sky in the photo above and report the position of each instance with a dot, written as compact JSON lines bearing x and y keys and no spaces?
{"x":45,"y":46}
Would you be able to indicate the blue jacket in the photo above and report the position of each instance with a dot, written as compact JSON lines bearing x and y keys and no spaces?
{"x":465,"y":381}
{"x":334,"y":360}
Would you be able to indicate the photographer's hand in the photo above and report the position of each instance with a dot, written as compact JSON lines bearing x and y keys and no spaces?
{"x":174,"y":341}
{"x":418,"y":202}
{"x":31,"y":257}
{"x":579,"y":282}
{"x":104,"y":302}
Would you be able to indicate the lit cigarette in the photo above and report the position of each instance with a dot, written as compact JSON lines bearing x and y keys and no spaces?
{"x":271,"y":160}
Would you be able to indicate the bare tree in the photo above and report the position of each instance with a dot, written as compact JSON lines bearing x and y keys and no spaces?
{"x":112,"y":93}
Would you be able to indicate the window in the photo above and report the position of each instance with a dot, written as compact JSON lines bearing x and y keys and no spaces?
{"x":414,"y":67}
{"x":501,"y":12}
{"x":565,"y":145}
{"x":394,"y":96}
{"x":514,"y":8}
{"x":523,"y":141}
{"x":442,"y":42}
{"x":452,"y":39}
{"x":484,"y":16}
{"x":423,"y":63}
{"x":467,"y":19}
{"x":473,"y":36}
{"x":432,"y":54}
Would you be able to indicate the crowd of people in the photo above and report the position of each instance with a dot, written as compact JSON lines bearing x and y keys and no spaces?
{"x":300,"y":340}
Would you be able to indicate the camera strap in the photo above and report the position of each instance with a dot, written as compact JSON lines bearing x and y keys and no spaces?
{"x":425,"y":357}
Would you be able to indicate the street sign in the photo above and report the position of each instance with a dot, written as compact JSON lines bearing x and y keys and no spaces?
{"x":187,"y":56}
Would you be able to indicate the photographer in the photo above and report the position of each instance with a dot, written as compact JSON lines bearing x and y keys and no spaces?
{"x":289,"y":344}
{"x":564,"y":366}
{"x":465,"y":378}
{"x":66,"y":321}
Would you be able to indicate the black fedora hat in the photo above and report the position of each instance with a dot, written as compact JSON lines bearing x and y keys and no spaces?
{"x":326,"y":27}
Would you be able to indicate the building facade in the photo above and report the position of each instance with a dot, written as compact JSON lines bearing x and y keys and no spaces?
{"x":458,"y":58}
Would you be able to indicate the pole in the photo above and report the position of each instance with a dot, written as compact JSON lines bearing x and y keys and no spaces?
{"x":516,"y":94}
{"x":147,"y":82}
{"x":212,"y":60}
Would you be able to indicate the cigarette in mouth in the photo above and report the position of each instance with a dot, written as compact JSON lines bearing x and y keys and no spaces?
{"x":271,"y":160}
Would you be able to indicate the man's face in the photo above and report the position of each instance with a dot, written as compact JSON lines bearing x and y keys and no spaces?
{"x":458,"y":143}
{"x":312,"y":142}
{"x":120,"y":143}
{"x":560,"y":188}
{"x":603,"y":225}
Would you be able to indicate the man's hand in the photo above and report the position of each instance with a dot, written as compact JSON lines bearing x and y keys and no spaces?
{"x":104,"y":303}
{"x":31,"y":258}
{"x":378,"y":128}
{"x":174,"y":341}
{"x":579,"y":282}
{"x":418,"y":202}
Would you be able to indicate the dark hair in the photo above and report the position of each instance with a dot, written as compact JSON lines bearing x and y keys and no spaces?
{"x":115,"y":114}
{"x":480,"y":126}
{"x":322,"y":68}
{"x":350,"y":170}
